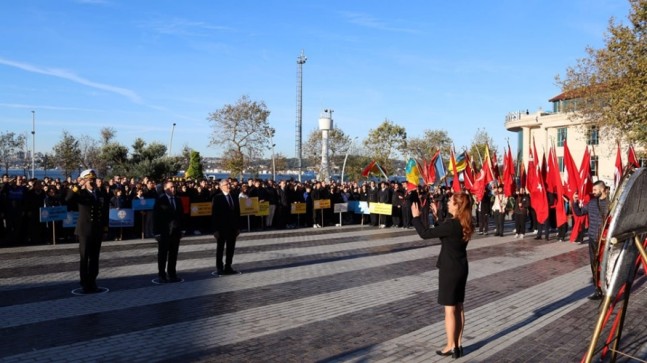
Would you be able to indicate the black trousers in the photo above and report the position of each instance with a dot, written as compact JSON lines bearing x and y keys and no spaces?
{"x":499,"y":218}
{"x":89,"y":250}
{"x":520,"y":223}
{"x":483,"y":221}
{"x":593,"y":256}
{"x":561,"y":231}
{"x":544,"y":228}
{"x":225,"y":245}
{"x":167,"y":250}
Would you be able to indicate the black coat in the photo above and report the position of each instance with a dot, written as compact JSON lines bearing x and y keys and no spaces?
{"x":92,"y":218}
{"x":166,"y":220}
{"x":452,"y":260}
{"x":224,"y":218}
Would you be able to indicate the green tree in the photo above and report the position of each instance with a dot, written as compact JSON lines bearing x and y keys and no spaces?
{"x":67,"y":154}
{"x":609,"y":87}
{"x":195,"y":166}
{"x":242,"y":128}
{"x":423,"y":148}
{"x":477,"y":148}
{"x":233,"y":161}
{"x":10,"y":144}
{"x":385,"y":141}
{"x":46,"y":162}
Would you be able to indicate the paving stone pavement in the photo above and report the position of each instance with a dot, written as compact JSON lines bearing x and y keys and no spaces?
{"x":349,"y":294}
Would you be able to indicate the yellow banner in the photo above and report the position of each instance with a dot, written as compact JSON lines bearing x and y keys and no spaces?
{"x":298,"y":208}
{"x":380,"y":208}
{"x":322,"y":204}
{"x":248,"y":206}
{"x":263,"y":209}
{"x":200,"y":209}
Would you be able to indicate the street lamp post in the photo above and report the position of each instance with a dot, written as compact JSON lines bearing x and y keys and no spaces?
{"x":33,"y":143}
{"x":170,"y":145}
{"x":273,"y":164}
{"x":343,"y":168}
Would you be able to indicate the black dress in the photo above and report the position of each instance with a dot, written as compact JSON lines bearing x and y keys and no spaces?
{"x":452,"y":260}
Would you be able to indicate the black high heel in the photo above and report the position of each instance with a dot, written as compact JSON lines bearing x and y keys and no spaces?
{"x":456,"y":352}
{"x":445,"y":354}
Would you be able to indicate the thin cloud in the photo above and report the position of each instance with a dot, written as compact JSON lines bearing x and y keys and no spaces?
{"x":45,"y":107}
{"x":184,"y":27}
{"x":64,"y":74}
{"x":93,"y":2}
{"x":370,"y":21}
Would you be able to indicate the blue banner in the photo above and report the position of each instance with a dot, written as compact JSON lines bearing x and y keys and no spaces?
{"x":121,"y":218}
{"x":143,"y":204}
{"x":70,"y":220}
{"x":51,"y":214}
{"x":360,"y":207}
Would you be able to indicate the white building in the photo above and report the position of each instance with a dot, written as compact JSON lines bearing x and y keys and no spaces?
{"x":548,"y":128}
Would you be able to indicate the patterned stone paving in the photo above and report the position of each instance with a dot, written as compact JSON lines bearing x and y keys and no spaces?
{"x":349,"y":294}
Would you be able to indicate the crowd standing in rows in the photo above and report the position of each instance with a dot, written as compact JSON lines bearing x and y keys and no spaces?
{"x":21,"y":199}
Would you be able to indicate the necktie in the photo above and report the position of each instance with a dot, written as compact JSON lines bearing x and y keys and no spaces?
{"x":172,"y":202}
{"x":230,"y":202}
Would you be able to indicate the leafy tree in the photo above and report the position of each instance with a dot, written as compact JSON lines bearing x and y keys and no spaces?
{"x":609,"y":87}
{"x":47,"y":162}
{"x":195,"y":166}
{"x":242,"y":128}
{"x":477,"y":148}
{"x":10,"y":144}
{"x":338,"y":143}
{"x":280,"y":162}
{"x":423,"y":148}
{"x":384,"y":141}
{"x":115,"y":157}
{"x":67,"y":154}
{"x":233,"y":161}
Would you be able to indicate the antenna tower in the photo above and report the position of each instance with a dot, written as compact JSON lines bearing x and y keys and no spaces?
{"x":301,"y":59}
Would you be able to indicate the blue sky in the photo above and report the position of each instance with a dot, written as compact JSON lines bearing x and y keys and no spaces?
{"x":140,"y":66}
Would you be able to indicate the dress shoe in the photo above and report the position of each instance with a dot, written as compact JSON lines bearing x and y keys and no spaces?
{"x":445,"y":354}
{"x":230,"y":271}
{"x":456,"y":352}
{"x":460,"y":349}
{"x":538,"y":237}
{"x":596,"y":296}
{"x":174,"y":279}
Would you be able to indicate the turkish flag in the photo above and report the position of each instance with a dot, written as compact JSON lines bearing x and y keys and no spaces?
{"x":538,"y":199}
{"x":586,"y":182}
{"x":560,"y":210}
{"x":571,"y":174}
{"x":631,"y":157}
{"x":617,"y":175}
{"x":508,"y":174}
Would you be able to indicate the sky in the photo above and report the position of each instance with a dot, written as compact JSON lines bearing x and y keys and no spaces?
{"x":141,"y":66}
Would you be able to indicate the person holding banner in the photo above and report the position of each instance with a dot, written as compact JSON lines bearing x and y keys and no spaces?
{"x":89,"y":227}
{"x":225,"y":212}
{"x":168,"y":214}
{"x":454,"y":233}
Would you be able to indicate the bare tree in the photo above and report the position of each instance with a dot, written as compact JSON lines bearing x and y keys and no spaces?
{"x":242,"y":128}
{"x":10,"y":144}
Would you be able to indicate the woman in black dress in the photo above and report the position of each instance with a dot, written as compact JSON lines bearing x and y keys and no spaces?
{"x":454,"y":233}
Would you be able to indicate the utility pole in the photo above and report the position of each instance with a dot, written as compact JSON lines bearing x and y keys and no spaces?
{"x":301,"y":59}
{"x":33,"y":143}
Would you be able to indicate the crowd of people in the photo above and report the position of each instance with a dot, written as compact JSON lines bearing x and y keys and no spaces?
{"x":21,"y":198}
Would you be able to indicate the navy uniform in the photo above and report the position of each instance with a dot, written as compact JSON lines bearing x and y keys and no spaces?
{"x":89,"y":228}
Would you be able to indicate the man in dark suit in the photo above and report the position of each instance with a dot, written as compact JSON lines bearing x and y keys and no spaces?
{"x":167,"y":225}
{"x":89,"y":227}
{"x":225,"y":213}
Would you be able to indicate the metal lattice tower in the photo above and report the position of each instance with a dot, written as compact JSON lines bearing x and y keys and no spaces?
{"x":301,"y":59}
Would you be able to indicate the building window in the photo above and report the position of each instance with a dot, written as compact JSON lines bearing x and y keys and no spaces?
{"x":561,"y":136}
{"x":560,"y":163}
{"x":593,"y":136}
{"x":594,"y":165}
